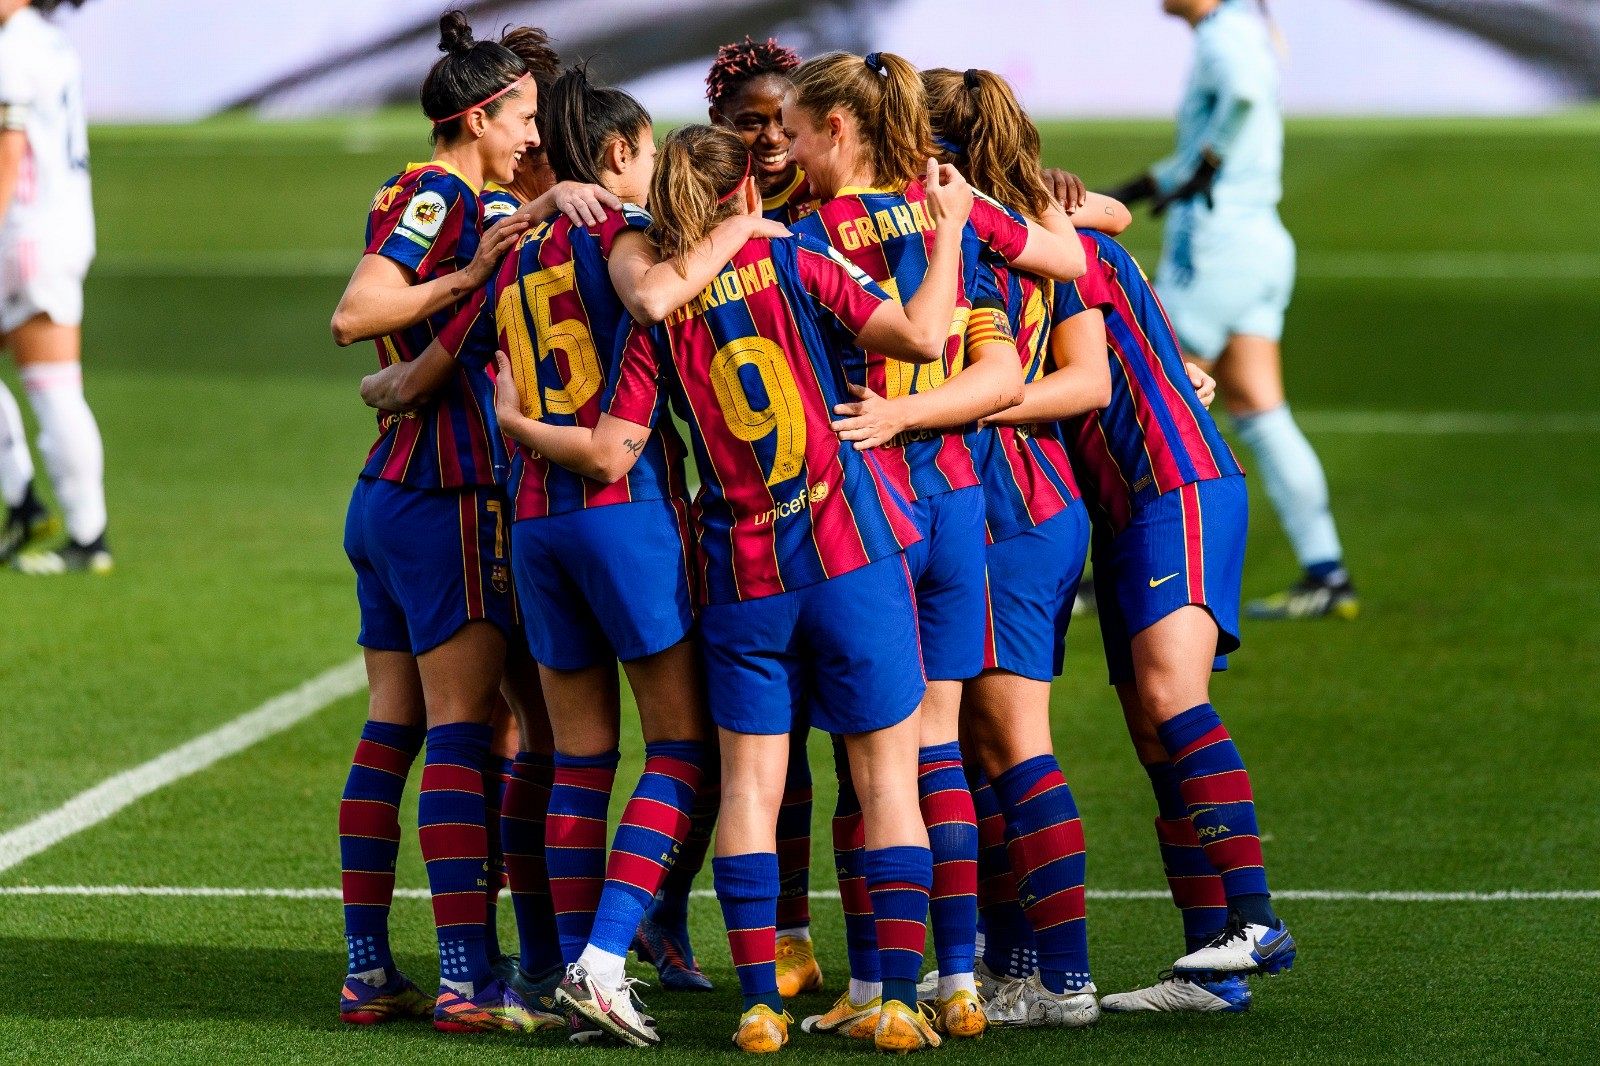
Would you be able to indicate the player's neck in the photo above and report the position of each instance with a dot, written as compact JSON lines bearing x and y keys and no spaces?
{"x":464,"y":161}
{"x":1201,"y":11}
{"x":772,"y":184}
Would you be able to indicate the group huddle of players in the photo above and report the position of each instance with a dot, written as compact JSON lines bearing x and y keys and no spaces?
{"x":922,"y":384}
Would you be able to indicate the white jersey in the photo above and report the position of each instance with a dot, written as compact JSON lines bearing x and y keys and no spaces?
{"x":41,"y":94}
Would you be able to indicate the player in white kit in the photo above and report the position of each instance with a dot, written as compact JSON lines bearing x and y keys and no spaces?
{"x":46,"y":245}
{"x":1227,"y":272}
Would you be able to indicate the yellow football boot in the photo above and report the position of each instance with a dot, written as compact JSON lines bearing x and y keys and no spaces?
{"x":856,"y":1021}
{"x":798,"y":972}
{"x":762,"y":1030}
{"x":902,"y":1029}
{"x":960,"y":1015}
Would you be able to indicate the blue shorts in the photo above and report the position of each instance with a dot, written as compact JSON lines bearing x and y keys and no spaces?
{"x":603,"y":584}
{"x":845,"y":649}
{"x":1224,"y":273}
{"x":1033,"y":579}
{"x":427,"y":563}
{"x":1183,"y":547}
{"x":947,"y":573}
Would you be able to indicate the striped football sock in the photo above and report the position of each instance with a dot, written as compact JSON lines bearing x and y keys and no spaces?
{"x":794,"y":840}
{"x":671,"y":908}
{"x":455,"y":846}
{"x":522,"y":823}
{"x":369,"y":839}
{"x":1196,"y":888}
{"x":747,"y":888}
{"x":1048,"y":857}
{"x":495,"y":774}
{"x":849,"y":856}
{"x":947,"y":809}
{"x":899,"y":880}
{"x":1216,"y":789}
{"x":575,"y":844}
{"x":652,"y":828}
{"x":1008,"y":941}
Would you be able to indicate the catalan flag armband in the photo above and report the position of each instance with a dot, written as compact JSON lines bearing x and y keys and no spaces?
{"x":989,"y":325}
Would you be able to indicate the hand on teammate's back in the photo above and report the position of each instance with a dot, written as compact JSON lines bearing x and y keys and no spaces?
{"x":496,"y":241}
{"x":1067,"y":188}
{"x":1205,"y":386}
{"x":584,"y":204}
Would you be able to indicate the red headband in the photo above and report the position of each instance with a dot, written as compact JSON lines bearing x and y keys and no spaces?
{"x":725,"y":197}
{"x":482,"y":103}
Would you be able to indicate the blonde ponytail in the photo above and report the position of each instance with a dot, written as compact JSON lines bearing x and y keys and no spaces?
{"x":699,"y":169}
{"x":883,"y":92}
{"x":990,"y":137}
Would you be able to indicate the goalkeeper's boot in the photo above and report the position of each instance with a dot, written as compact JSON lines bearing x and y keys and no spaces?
{"x":70,"y":558}
{"x":28,"y":524}
{"x":1333,"y":596}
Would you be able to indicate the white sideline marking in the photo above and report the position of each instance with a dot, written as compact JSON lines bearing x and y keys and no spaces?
{"x":1314,"y":266}
{"x":1448,"y":423}
{"x":95,"y":805}
{"x":1511,"y":895}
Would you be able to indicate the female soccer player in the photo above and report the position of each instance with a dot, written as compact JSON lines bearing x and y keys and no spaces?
{"x":745,"y":91}
{"x":426,"y":535}
{"x":800,"y":546}
{"x":1038,"y":534}
{"x":858,"y":125}
{"x":46,"y":244}
{"x":1169,"y":509}
{"x":1227,"y":271}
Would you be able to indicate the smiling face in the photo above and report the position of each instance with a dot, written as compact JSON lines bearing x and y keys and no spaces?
{"x":755,"y":112}
{"x":825,"y":146}
{"x":505,"y":138}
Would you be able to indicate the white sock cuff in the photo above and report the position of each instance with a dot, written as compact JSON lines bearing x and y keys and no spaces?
{"x":37,"y":377}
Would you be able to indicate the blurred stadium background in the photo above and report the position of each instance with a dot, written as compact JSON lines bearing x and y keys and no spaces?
{"x":1427,"y":771}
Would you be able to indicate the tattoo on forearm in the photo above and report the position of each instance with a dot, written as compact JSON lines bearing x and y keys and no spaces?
{"x":634,"y":446}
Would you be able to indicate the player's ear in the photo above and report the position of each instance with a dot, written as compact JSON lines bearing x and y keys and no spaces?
{"x":752,"y":196}
{"x":835,"y":124}
{"x":616,"y":155}
{"x":476,"y":122}
{"x":714,"y":115}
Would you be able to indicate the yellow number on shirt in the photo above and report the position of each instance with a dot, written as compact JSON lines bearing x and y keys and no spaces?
{"x":569,"y":336}
{"x":901,"y":378}
{"x":784,"y":413}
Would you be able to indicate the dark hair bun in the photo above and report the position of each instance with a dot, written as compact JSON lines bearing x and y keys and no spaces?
{"x":455,"y":33}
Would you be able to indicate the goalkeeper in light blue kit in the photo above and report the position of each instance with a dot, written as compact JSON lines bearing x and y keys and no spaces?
{"x":1227,"y":272}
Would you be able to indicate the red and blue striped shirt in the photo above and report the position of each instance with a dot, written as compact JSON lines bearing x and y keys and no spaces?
{"x":552,"y":309}
{"x":792,"y":202}
{"x":1027,"y":478}
{"x":888,"y":235}
{"x":428,"y":220}
{"x":755,"y":365}
{"x":1154,"y":435}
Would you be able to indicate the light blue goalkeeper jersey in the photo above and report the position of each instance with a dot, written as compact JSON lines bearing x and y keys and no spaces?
{"x":1231,"y":107}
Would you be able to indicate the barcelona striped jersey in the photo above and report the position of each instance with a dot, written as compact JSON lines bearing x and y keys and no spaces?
{"x":792,"y":202}
{"x":888,"y":235}
{"x":553,"y":311}
{"x":1154,"y":435}
{"x":1027,"y":478}
{"x":754,"y":366}
{"x":427,"y":220}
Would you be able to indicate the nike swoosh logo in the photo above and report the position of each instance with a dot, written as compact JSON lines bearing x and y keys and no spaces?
{"x":1281,"y":943}
{"x":1162,"y":581}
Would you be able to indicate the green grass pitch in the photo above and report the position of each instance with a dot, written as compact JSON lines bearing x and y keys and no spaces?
{"x":1445,"y":742}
